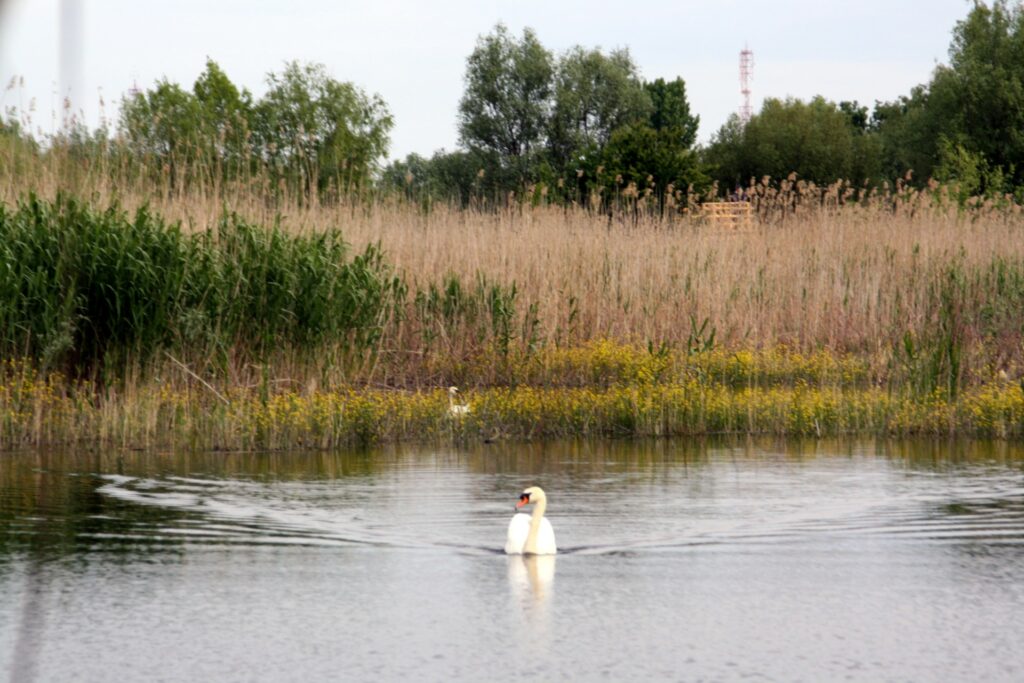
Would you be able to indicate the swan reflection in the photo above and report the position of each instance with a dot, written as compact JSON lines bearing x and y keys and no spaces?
{"x":531,"y":576}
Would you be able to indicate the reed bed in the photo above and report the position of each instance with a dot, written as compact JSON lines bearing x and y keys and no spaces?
{"x":700,"y":396}
{"x":931,"y":292}
{"x":837,"y":310}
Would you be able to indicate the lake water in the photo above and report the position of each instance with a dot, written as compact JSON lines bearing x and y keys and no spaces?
{"x":678,"y":560}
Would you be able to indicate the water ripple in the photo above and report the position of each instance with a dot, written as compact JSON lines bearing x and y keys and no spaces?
{"x":332,"y":514}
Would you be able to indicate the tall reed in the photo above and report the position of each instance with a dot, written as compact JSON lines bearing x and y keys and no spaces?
{"x":925,"y":288}
{"x":94,"y":292}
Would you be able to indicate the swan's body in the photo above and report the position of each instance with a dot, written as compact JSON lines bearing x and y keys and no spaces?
{"x":531,"y":534}
{"x":456,"y":409}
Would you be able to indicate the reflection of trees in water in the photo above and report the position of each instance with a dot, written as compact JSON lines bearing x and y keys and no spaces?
{"x":52,"y":509}
{"x":585,"y":457}
{"x":949,"y":454}
{"x":603,"y":456}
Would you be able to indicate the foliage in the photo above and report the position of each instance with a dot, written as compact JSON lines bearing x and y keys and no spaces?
{"x":319,"y":131}
{"x":505,"y":106}
{"x":670,"y":110}
{"x":95,"y":292}
{"x":569,"y":129}
{"x":966,"y":123}
{"x":648,"y":159}
{"x":625,"y":392}
{"x":985,"y":83}
{"x":462,"y":177}
{"x":594,"y":95}
{"x":817,"y":140}
{"x":309,"y":130}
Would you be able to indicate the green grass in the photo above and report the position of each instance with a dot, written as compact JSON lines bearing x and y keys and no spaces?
{"x":95,"y":293}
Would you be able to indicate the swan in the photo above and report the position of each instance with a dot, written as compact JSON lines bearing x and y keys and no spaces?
{"x":456,"y":409}
{"x":531,"y":534}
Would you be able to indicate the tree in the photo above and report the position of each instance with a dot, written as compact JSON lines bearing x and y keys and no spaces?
{"x":594,"y":95}
{"x":856,"y":115}
{"x":813,"y":139}
{"x":967,"y":123}
{"x":652,"y":160}
{"x":225,"y":117}
{"x":458,"y":176}
{"x":164,"y":125}
{"x":982,"y":91}
{"x":504,"y":109}
{"x":908,"y":131}
{"x":670,"y":110}
{"x":190,"y":133}
{"x":320,"y":132}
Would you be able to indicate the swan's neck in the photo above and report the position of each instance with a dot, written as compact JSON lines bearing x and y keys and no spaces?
{"x":530,"y":547}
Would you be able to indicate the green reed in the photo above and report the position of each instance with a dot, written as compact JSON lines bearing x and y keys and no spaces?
{"x":94,"y":292}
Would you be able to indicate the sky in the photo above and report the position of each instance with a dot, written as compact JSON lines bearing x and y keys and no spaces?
{"x":413,"y":54}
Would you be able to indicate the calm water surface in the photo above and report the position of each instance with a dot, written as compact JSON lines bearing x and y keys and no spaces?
{"x":679,"y":561}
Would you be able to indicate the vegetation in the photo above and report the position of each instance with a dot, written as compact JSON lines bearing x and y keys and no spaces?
{"x":901,"y":315}
{"x":233,"y":273}
{"x":580,"y":128}
{"x":311,"y":132}
{"x":91,"y":292}
{"x":628,"y":392}
{"x":963,"y":127}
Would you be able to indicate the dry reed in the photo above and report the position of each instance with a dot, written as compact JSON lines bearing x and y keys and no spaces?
{"x":909,"y":282}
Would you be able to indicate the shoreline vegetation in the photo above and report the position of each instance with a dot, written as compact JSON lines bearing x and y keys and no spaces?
{"x":226,"y":324}
{"x":52,"y":411}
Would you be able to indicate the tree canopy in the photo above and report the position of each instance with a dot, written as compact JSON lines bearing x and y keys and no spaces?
{"x":309,"y":129}
{"x":507,"y":99}
{"x":576,"y":125}
{"x":581,"y":122}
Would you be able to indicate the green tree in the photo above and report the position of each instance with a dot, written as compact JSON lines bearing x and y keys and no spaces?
{"x":908,"y":131}
{"x":458,"y":176}
{"x":813,"y":139}
{"x":652,"y":160}
{"x":967,"y":123}
{"x":225,"y":118}
{"x":856,"y":115}
{"x":981,"y":94}
{"x":670,"y":110}
{"x":163,"y":125}
{"x":203,"y":132}
{"x":503,"y":112}
{"x":319,"y":132}
{"x":594,"y":95}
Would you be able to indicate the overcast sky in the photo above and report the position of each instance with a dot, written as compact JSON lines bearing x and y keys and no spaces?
{"x":413,"y":53}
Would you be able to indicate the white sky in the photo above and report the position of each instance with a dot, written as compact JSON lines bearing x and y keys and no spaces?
{"x":413,"y":53}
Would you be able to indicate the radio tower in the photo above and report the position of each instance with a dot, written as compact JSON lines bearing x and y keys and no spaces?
{"x":746,"y":73}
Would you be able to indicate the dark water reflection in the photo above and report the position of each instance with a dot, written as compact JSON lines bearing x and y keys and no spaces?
{"x":679,"y":560}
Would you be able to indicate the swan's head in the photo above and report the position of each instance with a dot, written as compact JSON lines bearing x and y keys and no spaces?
{"x":534,"y":494}
{"x":452,"y":391}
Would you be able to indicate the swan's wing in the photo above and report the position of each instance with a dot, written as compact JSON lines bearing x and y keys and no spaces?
{"x":545,"y":538}
{"x":518,"y":530}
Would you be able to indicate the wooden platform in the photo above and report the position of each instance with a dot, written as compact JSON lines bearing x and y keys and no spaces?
{"x":735,"y":215}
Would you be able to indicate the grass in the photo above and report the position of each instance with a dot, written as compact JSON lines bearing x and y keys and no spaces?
{"x":609,"y":390}
{"x":97,"y":292}
{"x":232,"y":317}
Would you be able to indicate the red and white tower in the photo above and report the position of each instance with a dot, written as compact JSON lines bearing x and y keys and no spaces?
{"x":746,"y":74}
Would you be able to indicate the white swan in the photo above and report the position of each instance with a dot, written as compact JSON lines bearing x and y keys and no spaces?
{"x":456,"y":409}
{"x":531,"y":534}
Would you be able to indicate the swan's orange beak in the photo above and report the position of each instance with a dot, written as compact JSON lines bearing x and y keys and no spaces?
{"x":523,"y":500}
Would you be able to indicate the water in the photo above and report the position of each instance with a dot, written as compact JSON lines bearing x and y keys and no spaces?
{"x":678,"y":561}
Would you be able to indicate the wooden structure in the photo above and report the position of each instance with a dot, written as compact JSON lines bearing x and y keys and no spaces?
{"x":738,"y":215}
